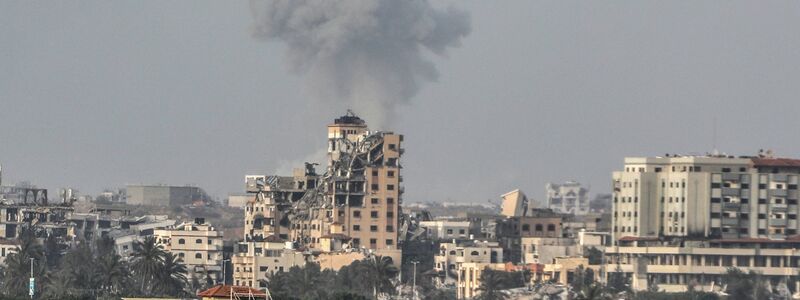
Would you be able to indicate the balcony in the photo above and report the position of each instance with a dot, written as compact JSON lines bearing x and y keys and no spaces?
{"x":730,"y":222}
{"x":730,"y":177}
{"x":731,"y":192}
{"x":731,"y":206}
{"x":779,"y":207}
{"x":779,"y":177}
{"x":777,"y":193}
{"x":777,"y":222}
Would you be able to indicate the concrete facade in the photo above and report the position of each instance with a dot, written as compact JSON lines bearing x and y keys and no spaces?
{"x":446,"y":229}
{"x":163,"y":195}
{"x":567,"y":198}
{"x":681,"y":219}
{"x":198,"y":244}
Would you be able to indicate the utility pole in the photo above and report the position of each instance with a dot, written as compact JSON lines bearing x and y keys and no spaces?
{"x":32,"y":284}
{"x":414,"y":281}
{"x":224,"y":275}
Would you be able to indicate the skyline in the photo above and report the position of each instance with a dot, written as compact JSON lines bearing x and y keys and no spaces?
{"x":96,"y":95}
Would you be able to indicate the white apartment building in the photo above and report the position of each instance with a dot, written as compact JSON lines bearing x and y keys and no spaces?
{"x":678,"y":219}
{"x":446,"y":229}
{"x":452,"y":255}
{"x":198,"y":244}
{"x":567,"y":198}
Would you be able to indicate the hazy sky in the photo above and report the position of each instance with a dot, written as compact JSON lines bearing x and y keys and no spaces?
{"x":97,"y":94}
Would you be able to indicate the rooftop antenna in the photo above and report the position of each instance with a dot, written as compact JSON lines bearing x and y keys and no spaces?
{"x":714,"y":150}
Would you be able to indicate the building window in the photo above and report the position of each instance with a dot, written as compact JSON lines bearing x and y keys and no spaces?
{"x":373,"y":228}
{"x":389,"y":242}
{"x":551,"y":227}
{"x":181,"y":241}
{"x":389,"y":200}
{"x":373,"y":241}
{"x":449,"y":231}
{"x":356,"y":227}
{"x":389,"y":228}
{"x":374,"y":200}
{"x":356,"y":242}
{"x":526,"y":227}
{"x":390,"y":173}
{"x":263,"y":269}
{"x":198,"y":241}
{"x":390,"y":187}
{"x":373,"y":214}
{"x":389,"y":214}
{"x":539,"y":227}
{"x":374,"y":187}
{"x":374,"y":172}
{"x":356,"y":214}
{"x":198,"y":255}
{"x":181,"y":255}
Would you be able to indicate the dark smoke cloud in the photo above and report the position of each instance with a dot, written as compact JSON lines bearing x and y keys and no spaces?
{"x":367,"y":54}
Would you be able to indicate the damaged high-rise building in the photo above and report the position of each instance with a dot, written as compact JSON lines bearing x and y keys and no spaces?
{"x":356,"y":199}
{"x":358,"y":195}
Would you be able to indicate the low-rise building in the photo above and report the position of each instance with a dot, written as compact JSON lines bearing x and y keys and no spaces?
{"x":198,"y":244}
{"x":544,"y":249}
{"x":451,"y":255}
{"x":258,"y":260}
{"x":469,"y":278}
{"x":446,"y":229}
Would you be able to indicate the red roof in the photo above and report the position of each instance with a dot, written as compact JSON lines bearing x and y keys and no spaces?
{"x":776,"y":162}
{"x":224,"y":291}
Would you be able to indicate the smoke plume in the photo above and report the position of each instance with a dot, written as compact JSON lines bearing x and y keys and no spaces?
{"x":370,"y":55}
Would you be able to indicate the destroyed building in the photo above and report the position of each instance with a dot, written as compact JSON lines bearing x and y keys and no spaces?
{"x":356,"y":199}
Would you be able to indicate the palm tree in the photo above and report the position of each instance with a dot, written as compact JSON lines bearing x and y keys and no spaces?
{"x":59,"y":284}
{"x":148,"y":259}
{"x":114,"y":273}
{"x":18,"y":264}
{"x":379,"y":272}
{"x":491,"y":284}
{"x":173,"y":275}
